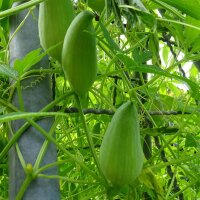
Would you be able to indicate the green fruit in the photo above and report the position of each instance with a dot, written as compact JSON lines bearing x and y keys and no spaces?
{"x":121,"y":155}
{"x":97,"y":5}
{"x":55,"y":17}
{"x":79,"y":56}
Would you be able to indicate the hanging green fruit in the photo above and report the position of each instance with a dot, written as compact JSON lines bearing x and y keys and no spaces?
{"x":55,"y":17}
{"x":79,"y":56}
{"x":121,"y":155}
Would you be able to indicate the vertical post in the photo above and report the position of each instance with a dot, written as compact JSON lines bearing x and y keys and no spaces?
{"x":34,"y":98}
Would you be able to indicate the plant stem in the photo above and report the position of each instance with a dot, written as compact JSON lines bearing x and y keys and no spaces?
{"x":89,"y":138}
{"x":24,"y":187}
{"x":19,"y":8}
{"x":26,"y":125}
{"x":50,"y":138}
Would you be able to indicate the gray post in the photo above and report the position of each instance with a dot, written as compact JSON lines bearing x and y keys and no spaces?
{"x":35,"y":98}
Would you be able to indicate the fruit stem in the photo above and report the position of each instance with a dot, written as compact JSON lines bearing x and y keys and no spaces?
{"x":89,"y":138}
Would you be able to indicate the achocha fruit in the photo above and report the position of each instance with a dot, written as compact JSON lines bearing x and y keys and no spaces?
{"x":121,"y":155}
{"x":55,"y":17}
{"x":79,"y":56}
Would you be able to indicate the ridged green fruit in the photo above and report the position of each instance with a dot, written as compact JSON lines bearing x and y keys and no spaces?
{"x":121,"y":155}
{"x":55,"y":17}
{"x":79,"y":56}
{"x":97,"y":5}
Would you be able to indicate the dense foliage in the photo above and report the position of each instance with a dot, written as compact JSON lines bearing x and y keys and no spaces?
{"x":148,"y":52}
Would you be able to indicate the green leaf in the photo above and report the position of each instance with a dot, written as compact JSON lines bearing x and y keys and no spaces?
{"x":191,"y":141}
{"x":96,"y":132}
{"x":148,"y":178}
{"x":138,"y":4}
{"x":177,"y":31}
{"x":126,"y":60}
{"x":165,"y":54}
{"x":2,"y":109}
{"x":189,"y":7}
{"x":108,"y":4}
{"x":158,"y":71}
{"x":167,"y":7}
{"x":5,"y":4}
{"x":112,"y":45}
{"x":8,"y":71}
{"x":147,"y":18}
{"x":154,"y":47}
{"x":196,"y":45}
{"x":28,"y":61}
{"x":97,"y":5}
{"x":142,"y":56}
{"x":192,"y":35}
{"x":189,"y":108}
{"x":160,"y":102}
{"x":3,"y":41}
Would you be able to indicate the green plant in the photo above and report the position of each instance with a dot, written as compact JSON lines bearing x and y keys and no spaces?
{"x":79,"y":56}
{"x":121,"y":155}
{"x":147,"y":50}
{"x":97,"y":5}
{"x":54,"y":20}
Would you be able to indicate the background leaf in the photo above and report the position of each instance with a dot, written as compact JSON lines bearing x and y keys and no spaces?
{"x":189,"y":7}
{"x":8,"y":71}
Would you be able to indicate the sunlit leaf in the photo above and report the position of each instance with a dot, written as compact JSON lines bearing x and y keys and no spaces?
{"x":8,"y":71}
{"x":189,"y":7}
{"x":23,"y":65}
{"x":158,"y":71}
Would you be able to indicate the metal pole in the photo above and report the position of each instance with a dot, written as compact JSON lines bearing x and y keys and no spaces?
{"x":35,"y":97}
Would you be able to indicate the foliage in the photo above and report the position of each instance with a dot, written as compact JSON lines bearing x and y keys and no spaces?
{"x":148,"y":51}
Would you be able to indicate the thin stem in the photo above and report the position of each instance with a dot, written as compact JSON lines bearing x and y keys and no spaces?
{"x":178,"y":22}
{"x":26,"y":125}
{"x":50,"y":165}
{"x":19,"y":8}
{"x":171,"y":183}
{"x":20,"y":96}
{"x":174,"y":162}
{"x":181,"y":191}
{"x":50,"y":138}
{"x":20,"y":156}
{"x":66,"y":179}
{"x":102,"y":97}
{"x":89,"y":138}
{"x":45,"y":144}
{"x":43,"y":149}
{"x":16,"y":30}
{"x":24,"y":187}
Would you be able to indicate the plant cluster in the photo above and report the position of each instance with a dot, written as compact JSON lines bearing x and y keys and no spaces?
{"x":126,"y":94}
